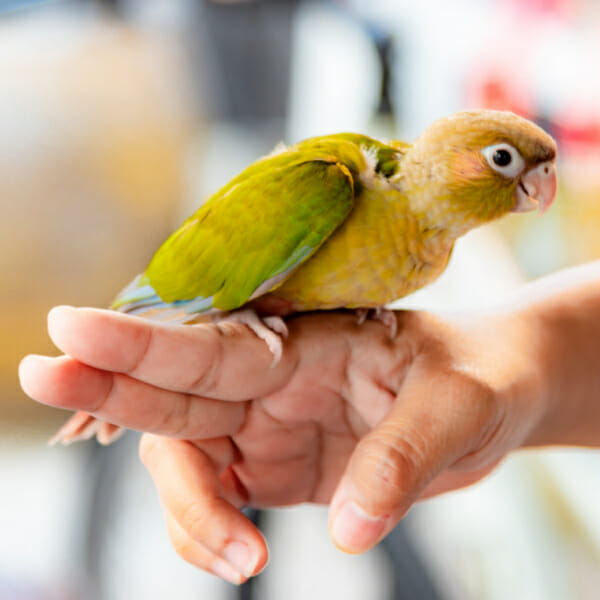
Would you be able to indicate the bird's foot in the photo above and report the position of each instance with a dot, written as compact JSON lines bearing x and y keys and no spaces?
{"x":381,"y":314}
{"x":272,"y":330}
{"x":82,"y":426}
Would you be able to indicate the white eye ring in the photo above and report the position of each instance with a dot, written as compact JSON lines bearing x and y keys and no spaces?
{"x":505,"y":159}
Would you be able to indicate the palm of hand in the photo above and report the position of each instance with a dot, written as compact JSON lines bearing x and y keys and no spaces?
{"x":295,"y":441}
{"x":346,"y":415}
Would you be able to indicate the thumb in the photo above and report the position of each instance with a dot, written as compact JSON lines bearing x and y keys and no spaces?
{"x":437,"y":419}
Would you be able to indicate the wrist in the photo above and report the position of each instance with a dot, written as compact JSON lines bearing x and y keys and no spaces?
{"x":511,"y":359}
{"x":566,"y":350}
{"x":539,"y":374}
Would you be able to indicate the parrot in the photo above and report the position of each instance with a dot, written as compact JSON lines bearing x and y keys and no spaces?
{"x":340,"y":221}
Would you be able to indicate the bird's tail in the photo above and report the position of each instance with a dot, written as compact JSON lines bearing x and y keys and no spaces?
{"x":140,"y":298}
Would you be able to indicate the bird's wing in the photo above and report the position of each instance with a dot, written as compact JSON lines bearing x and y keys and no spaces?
{"x":248,"y":238}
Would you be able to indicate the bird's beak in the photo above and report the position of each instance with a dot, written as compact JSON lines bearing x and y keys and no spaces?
{"x":536,"y":188}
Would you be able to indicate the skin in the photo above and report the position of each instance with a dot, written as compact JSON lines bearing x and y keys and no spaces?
{"x":348,"y":417}
{"x":381,"y":226}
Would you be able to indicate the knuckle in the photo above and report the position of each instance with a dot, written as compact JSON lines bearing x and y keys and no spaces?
{"x":479,"y":406}
{"x":392,"y":464}
{"x":147,"y":336}
{"x":489,"y":407}
{"x":176,"y":421}
{"x":486,"y":420}
{"x":193,"y":520}
{"x":206,"y":379}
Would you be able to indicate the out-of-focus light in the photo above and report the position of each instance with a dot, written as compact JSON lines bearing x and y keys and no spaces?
{"x":12,"y":5}
{"x":230,"y":1}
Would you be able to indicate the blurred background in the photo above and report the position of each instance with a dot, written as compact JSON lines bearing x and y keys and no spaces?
{"x":118,"y":117}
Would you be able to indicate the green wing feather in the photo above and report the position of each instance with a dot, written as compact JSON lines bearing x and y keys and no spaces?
{"x":260,"y":226}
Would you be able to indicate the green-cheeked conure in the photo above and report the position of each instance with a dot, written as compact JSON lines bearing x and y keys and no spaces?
{"x":339,"y":221}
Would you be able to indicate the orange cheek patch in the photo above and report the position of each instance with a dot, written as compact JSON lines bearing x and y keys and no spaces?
{"x":468,"y":166}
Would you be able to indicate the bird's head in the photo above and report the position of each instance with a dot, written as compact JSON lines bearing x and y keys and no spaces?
{"x":482,"y":164}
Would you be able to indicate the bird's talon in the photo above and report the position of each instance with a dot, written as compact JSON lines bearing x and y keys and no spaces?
{"x":278,"y":325}
{"x":384,"y":315}
{"x":269,"y":329}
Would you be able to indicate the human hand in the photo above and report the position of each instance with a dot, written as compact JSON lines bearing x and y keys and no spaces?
{"x":348,"y":417}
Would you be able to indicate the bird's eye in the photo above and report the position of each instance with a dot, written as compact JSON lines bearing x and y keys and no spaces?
{"x":502,"y":158}
{"x":505,"y":159}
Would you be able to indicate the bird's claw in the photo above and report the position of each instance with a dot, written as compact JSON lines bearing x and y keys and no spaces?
{"x":272,"y":330}
{"x":381,"y":314}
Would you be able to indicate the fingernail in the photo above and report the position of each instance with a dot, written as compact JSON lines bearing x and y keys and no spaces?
{"x":63,"y":308}
{"x":353,"y":530}
{"x":35,"y":358}
{"x":27,"y":371}
{"x":224,"y":570}
{"x":238,"y":555}
{"x":66,"y":307}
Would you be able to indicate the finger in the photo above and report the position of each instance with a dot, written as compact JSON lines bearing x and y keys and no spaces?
{"x":190,"y":491}
{"x":230,"y":363}
{"x":109,"y":433}
{"x":436,"y":420}
{"x":64,"y":382}
{"x":220,"y":450}
{"x":196,"y":554}
{"x":80,"y":427}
